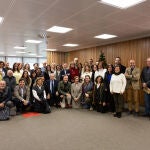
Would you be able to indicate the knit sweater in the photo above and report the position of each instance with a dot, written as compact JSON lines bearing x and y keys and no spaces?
{"x":117,"y":83}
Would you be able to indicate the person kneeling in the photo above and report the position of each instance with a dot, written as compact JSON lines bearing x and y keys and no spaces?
{"x":5,"y":96}
{"x":21,"y":97}
{"x":40,"y":103}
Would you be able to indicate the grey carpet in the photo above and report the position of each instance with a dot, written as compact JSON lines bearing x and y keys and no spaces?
{"x":75,"y":130}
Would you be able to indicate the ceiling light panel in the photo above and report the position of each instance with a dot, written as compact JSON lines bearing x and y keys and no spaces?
{"x":105,"y":36}
{"x":122,"y":4}
{"x":59,"y":29}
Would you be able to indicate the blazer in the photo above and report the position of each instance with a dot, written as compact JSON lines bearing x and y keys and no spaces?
{"x":64,"y":89}
{"x":62,"y":73}
{"x":133,"y":78}
{"x":145,"y":76}
{"x":26,"y":93}
{"x":76,"y":90}
{"x":48,"y":87}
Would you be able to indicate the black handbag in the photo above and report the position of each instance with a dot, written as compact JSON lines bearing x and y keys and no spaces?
{"x":4,"y":113}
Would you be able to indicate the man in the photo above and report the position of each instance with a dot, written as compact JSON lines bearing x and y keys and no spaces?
{"x":145,"y":77}
{"x":36,"y":66}
{"x":10,"y":81}
{"x":43,"y":69}
{"x":64,"y":72}
{"x":132,"y":75}
{"x":118,"y":62}
{"x":91,"y":63}
{"x":64,"y":89}
{"x":5,"y":97}
{"x":52,"y":91}
{"x":7,"y":67}
{"x":21,"y":96}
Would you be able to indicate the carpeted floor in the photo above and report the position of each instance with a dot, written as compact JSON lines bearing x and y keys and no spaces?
{"x":75,"y":130}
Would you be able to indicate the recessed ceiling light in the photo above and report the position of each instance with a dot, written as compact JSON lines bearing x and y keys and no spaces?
{"x":122,"y":4}
{"x":20,"y":52}
{"x":1,"y":20}
{"x":33,"y":41}
{"x":51,"y":49}
{"x":58,"y":29}
{"x":20,"y":47}
{"x":105,"y":36}
{"x":71,"y":45}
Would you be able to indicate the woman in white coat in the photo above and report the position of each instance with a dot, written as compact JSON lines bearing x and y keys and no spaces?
{"x":117,"y":88}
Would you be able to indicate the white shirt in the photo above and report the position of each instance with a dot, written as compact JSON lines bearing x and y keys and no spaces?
{"x":100,"y":72}
{"x":118,"y":83}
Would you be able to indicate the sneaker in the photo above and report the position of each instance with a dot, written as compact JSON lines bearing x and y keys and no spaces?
{"x":91,"y":108}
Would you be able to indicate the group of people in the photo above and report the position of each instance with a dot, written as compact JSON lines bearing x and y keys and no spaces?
{"x":88,"y":86}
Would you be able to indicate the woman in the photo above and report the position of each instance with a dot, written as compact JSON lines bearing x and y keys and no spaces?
{"x":26,"y":78}
{"x":27,"y":68}
{"x":80,"y":69}
{"x":16,"y":72}
{"x":117,"y":88}
{"x":39,"y":95}
{"x":107,"y":78}
{"x":76,"y":91}
{"x":100,"y":71}
{"x":87,"y":71}
{"x":57,"y":72}
{"x":47,"y":72}
{"x":87,"y":93}
{"x":99,"y":95}
{"x":73,"y":71}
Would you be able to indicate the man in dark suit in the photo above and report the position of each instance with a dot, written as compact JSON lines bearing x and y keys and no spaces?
{"x":52,"y":91}
{"x":118,"y":62}
{"x":64,"y":72}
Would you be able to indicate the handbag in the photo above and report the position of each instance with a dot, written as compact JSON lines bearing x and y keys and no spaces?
{"x":4,"y":113}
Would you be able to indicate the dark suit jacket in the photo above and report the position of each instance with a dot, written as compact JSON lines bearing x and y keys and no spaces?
{"x":48,"y":87}
{"x":62,"y":73}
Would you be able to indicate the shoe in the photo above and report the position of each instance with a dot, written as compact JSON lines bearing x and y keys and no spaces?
{"x":115,"y":114}
{"x":145,"y":115}
{"x":136,"y":114}
{"x":119,"y":115}
{"x":130,"y":112}
{"x":91,"y":108}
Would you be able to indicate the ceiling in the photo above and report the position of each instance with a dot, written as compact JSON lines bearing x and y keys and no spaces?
{"x":29,"y":19}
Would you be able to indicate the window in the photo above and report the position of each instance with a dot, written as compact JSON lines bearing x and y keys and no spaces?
{"x":13,"y":60}
{"x":30,"y":61}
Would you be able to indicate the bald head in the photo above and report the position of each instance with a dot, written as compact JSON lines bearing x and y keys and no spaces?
{"x":10,"y":73}
{"x":132,"y":63}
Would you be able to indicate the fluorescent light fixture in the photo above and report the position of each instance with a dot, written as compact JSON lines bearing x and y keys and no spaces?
{"x":12,"y":55}
{"x":1,"y":52}
{"x":58,"y":29}
{"x":32,"y":54}
{"x":122,"y":4}
{"x":105,"y":36}
{"x":19,"y":47}
{"x":71,"y":45}
{"x":40,"y":56}
{"x":19,"y":52}
{"x":51,"y":49}
{"x":33,"y":41}
{"x":1,"y":20}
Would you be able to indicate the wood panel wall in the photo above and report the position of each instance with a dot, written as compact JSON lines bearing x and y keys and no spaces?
{"x":138,"y":50}
{"x":55,"y":57}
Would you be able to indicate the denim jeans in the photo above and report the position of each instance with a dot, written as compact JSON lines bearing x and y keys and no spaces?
{"x":147,"y":103}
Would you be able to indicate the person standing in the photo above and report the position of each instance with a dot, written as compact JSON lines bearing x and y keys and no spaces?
{"x":76,"y":92}
{"x":118,"y":62}
{"x":52,"y":91}
{"x":117,"y":88}
{"x":145,"y":77}
{"x":132,"y":75}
